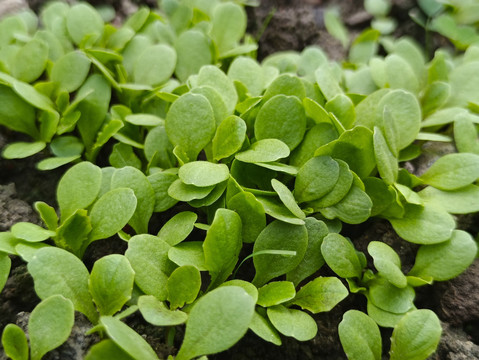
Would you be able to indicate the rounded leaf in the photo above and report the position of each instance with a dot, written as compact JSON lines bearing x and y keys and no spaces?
{"x":203,"y":173}
{"x":155,"y":65}
{"x":292,"y":322}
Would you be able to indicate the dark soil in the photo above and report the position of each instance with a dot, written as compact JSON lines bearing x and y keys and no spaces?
{"x":293,"y":24}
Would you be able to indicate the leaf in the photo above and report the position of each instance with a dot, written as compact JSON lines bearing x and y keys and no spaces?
{"x":182,"y":192}
{"x":278,"y":236}
{"x":275,"y":293}
{"x":335,"y":26}
{"x":427,"y":225}
{"x":20,"y":150}
{"x":212,"y":76}
{"x":61,"y":71}
{"x":251,"y":213}
{"x":203,"y":173}
{"x":446,"y":260}
{"x":156,"y":313}
{"x":266,"y":150}
{"x":416,"y":336}
{"x":82,"y":21}
{"x":31,"y":232}
{"x":321,"y":294}
{"x":55,"y":162}
{"x":15,"y":342}
{"x":229,"y":137}
{"x":158,"y":149}
{"x":193,"y":51}
{"x":183,"y":286}
{"x":148,"y":256}
{"x":178,"y":227}
{"x":64,"y":146}
{"x":129,"y":177}
{"x":55,"y":314}
{"x":144,"y":119}
{"x":107,"y":349}
{"x":292,"y":322}
{"x":73,"y":232}
{"x":465,"y":135}
{"x":190,"y":123}
{"x":385,"y":159}
{"x":216,"y":101}
{"x":387,"y":262}
{"x":216,"y":322}
{"x":111,"y":213}
{"x":461,"y":201}
{"x":247,"y":71}
{"x":123,"y":155}
{"x":58,"y":272}
{"x":281,"y":117}
{"x":111,"y":283}
{"x":285,"y":84}
{"x":160,"y":182}
{"x":264,"y":329}
{"x":360,"y":336}
{"x":384,"y":318}
{"x":155,"y":65}
{"x":222,"y":245}
{"x":5,"y":265}
{"x":127,"y":339}
{"x":453,"y":171}
{"x":16,"y":113}
{"x":327,"y":82}
{"x":229,"y":25}
{"x":316,"y":178}
{"x":287,"y":198}
{"x":277,"y":210}
{"x":78,"y":188}
{"x":24,"y":69}
{"x":188,"y":253}
{"x":341,"y":256}
{"x":390,"y":298}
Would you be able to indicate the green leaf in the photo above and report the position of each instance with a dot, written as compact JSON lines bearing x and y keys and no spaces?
{"x":73,"y":232}
{"x":385,"y":159}
{"x":387,"y":262}
{"x":334,"y":25}
{"x":111,"y":283}
{"x":277,"y":210}
{"x":316,"y":178}
{"x":55,"y":162}
{"x":400,"y":74}
{"x":16,"y":113}
{"x":129,"y":177}
{"x":111,"y":213}
{"x":416,"y":336}
{"x":183,"y":286}
{"x":446,"y":260}
{"x":158,"y":149}
{"x":55,"y":314}
{"x":465,"y":135}
{"x":229,"y":25}
{"x":321,"y":294}
{"x":247,"y":71}
{"x":285,"y":84}
{"x":462,"y":90}
{"x":287,"y":198}
{"x":127,"y":339}
{"x":275,"y":293}
{"x":24,"y":69}
{"x":123,"y":155}
{"x":264,"y":329}
{"x":190,"y":124}
{"x":178,"y":227}
{"x":262,"y":151}
{"x":360,"y":336}
{"x":155,"y":65}
{"x":203,"y":173}
{"x":107,"y":349}
{"x":20,"y":150}
{"x":64,"y":146}
{"x":58,"y":272}
{"x":222,"y":245}
{"x":216,"y":322}
{"x":461,"y":201}
{"x":5,"y":265}
{"x":229,"y":137}
{"x":453,"y":171}
{"x":148,"y":256}
{"x":78,"y":188}
{"x":252,"y":215}
{"x":212,"y":76}
{"x":427,"y":225}
{"x":160,"y":182}
{"x":188,"y":253}
{"x":292,"y":322}
{"x":83,"y":21}
{"x":193,"y":51}
{"x":31,"y":232}
{"x":341,"y":256}
{"x":216,"y":101}
{"x":180,"y":191}
{"x":327,"y":82}
{"x":278,"y":236}
{"x":144,"y":120}
{"x":156,"y":313}
{"x":390,"y":298}
{"x":15,"y":342}
{"x":435,"y":96}
{"x":382,"y":317}
{"x":343,"y":108}
{"x":61,"y":71}
{"x":281,"y":117}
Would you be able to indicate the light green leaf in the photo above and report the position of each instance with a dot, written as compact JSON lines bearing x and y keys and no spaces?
{"x":155,"y":65}
{"x":64,"y":146}
{"x":245,"y":285}
{"x":285,"y":84}
{"x":341,"y":256}
{"x":16,"y":113}
{"x":106,"y":349}
{"x":275,"y":293}
{"x":188,"y":253}
{"x":252,"y":215}
{"x":5,"y":265}
{"x":281,"y":117}
{"x":216,"y":101}
{"x":55,"y":162}
{"x":183,"y":286}
{"x":262,"y":327}
{"x":127,"y":339}
{"x":62,"y":73}
{"x":321,"y":294}
{"x":193,"y":50}
{"x":55,"y":314}
{"x":416,"y":336}
{"x":182,"y":192}
{"x":453,"y":171}
{"x":465,"y":135}
{"x":178,"y":227}
{"x":210,"y":75}
{"x":385,"y":159}
{"x":111,"y":283}
{"x":461,"y":201}
{"x":216,"y":322}
{"x":287,"y":198}
{"x":24,"y":69}
{"x":123,"y":155}
{"x":278,"y":236}
{"x":31,"y":232}
{"x":276,"y":209}
{"x":387,"y":262}
{"x":266,"y":150}
{"x":229,"y":25}
{"x":390,"y":298}
{"x":446,"y":260}
{"x":249,"y":73}
{"x":203,"y":173}
{"x":292,"y":322}
{"x":360,"y":336}
{"x":148,"y":256}
{"x":156,"y":313}
{"x":82,"y":21}
{"x":58,"y":272}
{"x":334,"y":25}
{"x":229,"y":137}
{"x":327,"y":82}
{"x":20,"y":150}
{"x":73,"y":232}
{"x":15,"y":342}
{"x":160,"y":182}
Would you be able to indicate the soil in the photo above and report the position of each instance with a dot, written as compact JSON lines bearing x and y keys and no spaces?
{"x":291,"y":25}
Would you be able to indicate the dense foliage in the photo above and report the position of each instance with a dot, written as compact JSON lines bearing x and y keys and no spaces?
{"x":255,"y":165}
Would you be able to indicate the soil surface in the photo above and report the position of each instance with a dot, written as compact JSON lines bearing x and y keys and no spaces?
{"x":291,"y":25}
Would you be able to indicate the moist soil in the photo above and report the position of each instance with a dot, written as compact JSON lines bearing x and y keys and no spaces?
{"x":279,"y":25}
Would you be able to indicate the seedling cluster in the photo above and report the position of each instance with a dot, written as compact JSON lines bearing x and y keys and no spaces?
{"x":257,"y":167}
